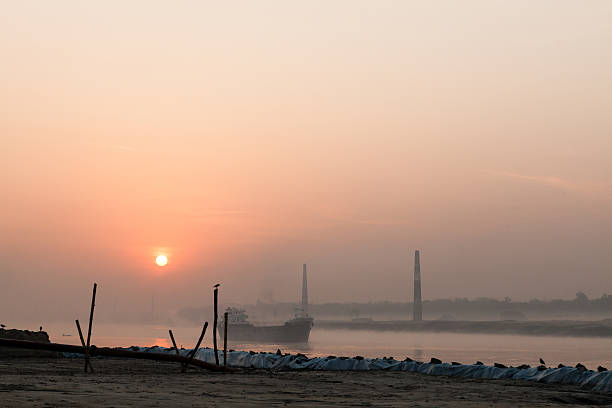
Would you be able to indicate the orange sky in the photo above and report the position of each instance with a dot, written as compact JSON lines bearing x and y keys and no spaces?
{"x":245,"y":138}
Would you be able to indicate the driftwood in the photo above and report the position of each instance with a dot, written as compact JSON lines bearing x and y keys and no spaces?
{"x":111,"y":352}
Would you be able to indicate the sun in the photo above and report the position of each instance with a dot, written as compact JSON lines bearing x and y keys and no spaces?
{"x":161,"y":260}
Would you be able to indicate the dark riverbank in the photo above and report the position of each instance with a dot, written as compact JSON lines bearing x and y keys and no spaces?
{"x":574,"y":328}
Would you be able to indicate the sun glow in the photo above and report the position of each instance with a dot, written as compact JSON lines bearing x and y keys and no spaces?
{"x":161,"y":260}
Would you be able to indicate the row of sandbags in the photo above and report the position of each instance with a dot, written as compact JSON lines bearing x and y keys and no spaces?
{"x":592,"y":380}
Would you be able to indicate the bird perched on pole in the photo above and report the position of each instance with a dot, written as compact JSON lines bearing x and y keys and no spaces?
{"x":217,"y":285}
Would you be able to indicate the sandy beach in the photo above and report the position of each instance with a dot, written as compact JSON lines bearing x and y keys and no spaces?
{"x":61,"y":382}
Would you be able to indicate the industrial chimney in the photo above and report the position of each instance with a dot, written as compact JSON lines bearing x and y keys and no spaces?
{"x":417,"y":308}
{"x":304,"y":290}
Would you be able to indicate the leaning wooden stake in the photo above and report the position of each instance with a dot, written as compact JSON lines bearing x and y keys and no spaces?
{"x":225,"y":339}
{"x":78,"y":325}
{"x":174,"y":343}
{"x":175,"y":348}
{"x":93,"y":304}
{"x":197,"y":346}
{"x":216,"y":293}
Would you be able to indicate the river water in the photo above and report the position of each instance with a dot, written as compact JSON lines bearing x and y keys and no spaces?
{"x":464,"y":348}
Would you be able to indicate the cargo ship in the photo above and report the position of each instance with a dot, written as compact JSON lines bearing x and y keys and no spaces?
{"x":296,"y":330}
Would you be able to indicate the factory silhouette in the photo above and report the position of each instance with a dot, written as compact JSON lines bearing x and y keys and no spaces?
{"x":417,"y":309}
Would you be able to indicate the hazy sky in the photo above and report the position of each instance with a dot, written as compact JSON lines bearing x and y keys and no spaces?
{"x":243,"y":138}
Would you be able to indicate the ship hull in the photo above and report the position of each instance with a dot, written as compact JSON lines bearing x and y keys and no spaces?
{"x":293,"y":331}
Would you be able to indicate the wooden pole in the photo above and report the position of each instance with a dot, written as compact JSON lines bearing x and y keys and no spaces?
{"x":93,"y":304}
{"x":197,"y":346}
{"x":225,"y":339}
{"x":78,"y":325}
{"x":111,"y":352}
{"x":216,"y":298}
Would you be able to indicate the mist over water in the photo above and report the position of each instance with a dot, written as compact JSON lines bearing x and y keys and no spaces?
{"x":462,"y":347}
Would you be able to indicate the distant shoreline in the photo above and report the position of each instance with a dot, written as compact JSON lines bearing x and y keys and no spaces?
{"x":573,"y":328}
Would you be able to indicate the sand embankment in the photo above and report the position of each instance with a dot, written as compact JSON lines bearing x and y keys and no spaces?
{"x":574,"y":328}
{"x":36,"y":336}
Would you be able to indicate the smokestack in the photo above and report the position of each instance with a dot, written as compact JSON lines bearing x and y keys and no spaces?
{"x":304,"y":290}
{"x":417,"y":308}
